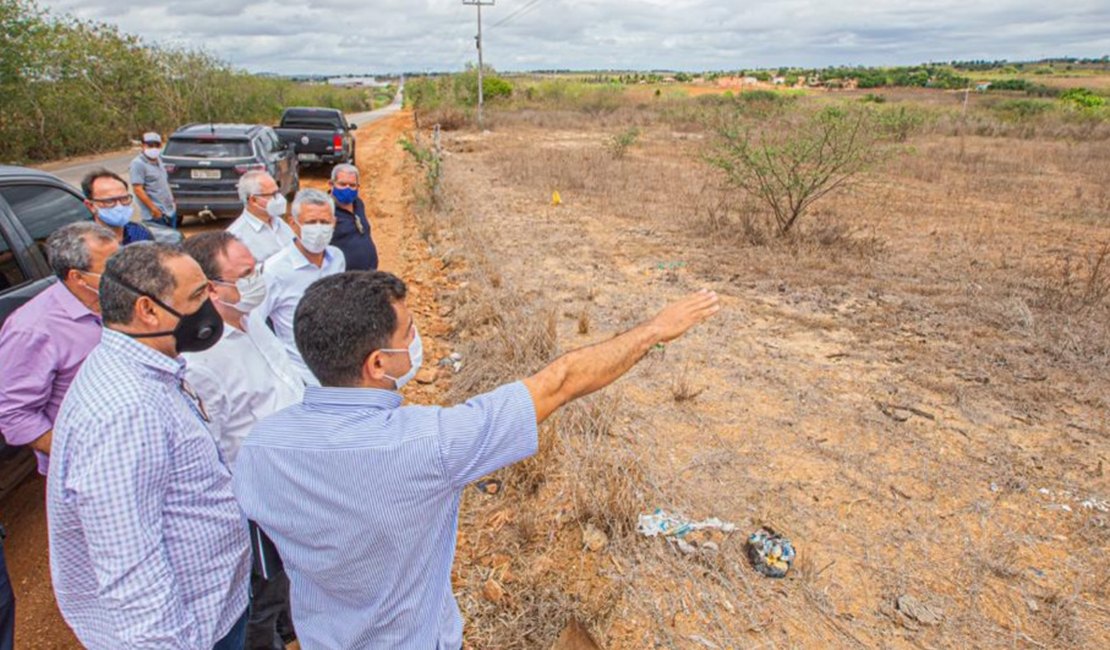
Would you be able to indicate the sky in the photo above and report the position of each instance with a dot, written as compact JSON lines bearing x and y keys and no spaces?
{"x":384,"y":36}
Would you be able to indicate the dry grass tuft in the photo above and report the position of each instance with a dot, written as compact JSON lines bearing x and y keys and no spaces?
{"x":1080,"y":285}
{"x":606,"y":480}
{"x":683,"y":389}
{"x":584,"y":321}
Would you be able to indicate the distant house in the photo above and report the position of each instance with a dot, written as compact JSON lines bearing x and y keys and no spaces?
{"x":983,"y":86}
{"x":778,"y":81}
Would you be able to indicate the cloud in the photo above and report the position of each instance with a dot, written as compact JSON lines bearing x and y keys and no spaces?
{"x":349,"y":36}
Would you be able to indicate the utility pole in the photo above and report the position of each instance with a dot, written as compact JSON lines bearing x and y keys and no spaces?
{"x":478,"y":40}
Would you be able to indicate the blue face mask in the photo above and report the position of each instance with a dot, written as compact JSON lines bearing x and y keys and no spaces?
{"x":116,"y":216}
{"x":344,"y":195}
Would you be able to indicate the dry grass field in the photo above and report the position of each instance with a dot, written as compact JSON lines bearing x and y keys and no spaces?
{"x":914,"y":386}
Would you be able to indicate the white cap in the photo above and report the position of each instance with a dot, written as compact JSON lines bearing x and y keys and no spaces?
{"x":151,"y":136}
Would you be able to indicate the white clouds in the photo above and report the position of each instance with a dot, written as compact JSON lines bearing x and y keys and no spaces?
{"x":336,"y":36}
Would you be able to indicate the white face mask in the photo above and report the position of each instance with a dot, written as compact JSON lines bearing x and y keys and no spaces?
{"x":315,"y":237}
{"x":276,"y":207}
{"x":416,"y":358}
{"x":152,"y":152}
{"x":252,"y":291}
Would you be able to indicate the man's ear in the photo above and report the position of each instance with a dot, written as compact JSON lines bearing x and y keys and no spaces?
{"x":372,"y":369}
{"x":90,"y":206}
{"x":73,"y":275}
{"x":145,"y":311}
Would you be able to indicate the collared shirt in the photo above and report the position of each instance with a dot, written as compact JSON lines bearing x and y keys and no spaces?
{"x":148,"y":548}
{"x":368,"y":535}
{"x":288,"y":275}
{"x":261,"y":239}
{"x":259,"y":381}
{"x":152,"y":175}
{"x":356,"y":243}
{"x":42,"y":346}
{"x":135,"y":232}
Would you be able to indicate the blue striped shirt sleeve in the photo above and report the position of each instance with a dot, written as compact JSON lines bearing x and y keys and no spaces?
{"x":487,"y":433}
{"x":135,"y":577}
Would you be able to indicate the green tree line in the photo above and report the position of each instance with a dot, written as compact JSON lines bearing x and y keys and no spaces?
{"x":70,"y":87}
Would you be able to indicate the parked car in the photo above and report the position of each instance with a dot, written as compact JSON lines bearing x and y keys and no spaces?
{"x":205,"y":162}
{"x":321,"y":136}
{"x":34,"y":204}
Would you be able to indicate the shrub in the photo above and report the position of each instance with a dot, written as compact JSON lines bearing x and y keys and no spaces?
{"x":449,"y":100}
{"x":790,"y":164}
{"x":899,"y":123}
{"x":1083,"y":98}
{"x":1022,"y":109}
{"x":1011,"y":84}
{"x":618,"y":144}
{"x":69,"y":87}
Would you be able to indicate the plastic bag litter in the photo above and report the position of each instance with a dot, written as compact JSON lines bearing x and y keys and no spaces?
{"x":662,"y":523}
{"x":770,"y":553}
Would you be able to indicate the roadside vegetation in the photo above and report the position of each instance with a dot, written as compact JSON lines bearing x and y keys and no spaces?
{"x":911,"y":366}
{"x":70,"y":87}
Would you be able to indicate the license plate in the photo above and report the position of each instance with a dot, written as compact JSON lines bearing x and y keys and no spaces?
{"x":206,"y":174}
{"x":307,"y":156}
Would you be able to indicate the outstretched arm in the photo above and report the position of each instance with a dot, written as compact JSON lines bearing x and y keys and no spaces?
{"x":583,"y":371}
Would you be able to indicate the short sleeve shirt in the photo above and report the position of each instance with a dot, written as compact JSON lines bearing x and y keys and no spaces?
{"x":151,"y":174}
{"x":368,"y":535}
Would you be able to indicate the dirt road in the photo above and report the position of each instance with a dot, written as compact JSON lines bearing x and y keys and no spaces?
{"x":39,"y":625}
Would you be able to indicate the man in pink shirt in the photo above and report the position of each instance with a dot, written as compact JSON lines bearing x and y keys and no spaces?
{"x":44,"y":343}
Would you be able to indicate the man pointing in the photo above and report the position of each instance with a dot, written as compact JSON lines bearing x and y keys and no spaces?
{"x":368,"y":536}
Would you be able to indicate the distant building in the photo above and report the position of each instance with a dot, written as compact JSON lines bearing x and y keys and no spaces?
{"x":356,"y":82}
{"x":983,"y":86}
{"x":778,"y":81}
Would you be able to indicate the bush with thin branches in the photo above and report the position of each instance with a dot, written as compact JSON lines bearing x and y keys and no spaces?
{"x":791,"y":162}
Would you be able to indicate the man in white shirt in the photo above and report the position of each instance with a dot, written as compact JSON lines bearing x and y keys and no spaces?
{"x":244,"y":377}
{"x":290,"y":272}
{"x":262,"y":226}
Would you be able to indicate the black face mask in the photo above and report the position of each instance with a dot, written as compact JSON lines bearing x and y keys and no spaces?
{"x":195,"y":332}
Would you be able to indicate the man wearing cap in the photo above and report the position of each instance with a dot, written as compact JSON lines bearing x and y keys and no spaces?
{"x":152,"y":183}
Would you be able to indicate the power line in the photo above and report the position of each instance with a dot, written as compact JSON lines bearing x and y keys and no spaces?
{"x":516,"y":13}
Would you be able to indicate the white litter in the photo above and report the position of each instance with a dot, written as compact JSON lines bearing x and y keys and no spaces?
{"x":662,"y":523}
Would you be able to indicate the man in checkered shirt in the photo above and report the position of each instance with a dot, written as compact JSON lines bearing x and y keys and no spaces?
{"x":148,"y":548}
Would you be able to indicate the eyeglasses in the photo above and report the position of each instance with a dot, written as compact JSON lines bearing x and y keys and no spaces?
{"x":197,"y":401}
{"x":255,"y":272}
{"x":112,"y":201}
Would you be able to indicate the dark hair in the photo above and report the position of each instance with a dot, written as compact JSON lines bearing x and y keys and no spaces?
{"x":143,"y":266}
{"x":207,"y":248}
{"x":342,"y":319}
{"x":93,"y":176}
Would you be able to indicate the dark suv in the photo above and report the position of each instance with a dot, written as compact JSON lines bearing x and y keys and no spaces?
{"x":205,"y":162}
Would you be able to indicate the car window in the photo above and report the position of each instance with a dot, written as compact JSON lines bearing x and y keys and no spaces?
{"x":42,"y":209}
{"x":275,"y":142}
{"x":10,"y":273}
{"x":266,"y":141}
{"x":208,"y":148}
{"x":310,"y":122}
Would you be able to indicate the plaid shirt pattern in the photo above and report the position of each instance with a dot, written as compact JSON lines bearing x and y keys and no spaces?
{"x":148,"y":548}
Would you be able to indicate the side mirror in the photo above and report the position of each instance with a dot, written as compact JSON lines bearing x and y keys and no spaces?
{"x":352,"y":127}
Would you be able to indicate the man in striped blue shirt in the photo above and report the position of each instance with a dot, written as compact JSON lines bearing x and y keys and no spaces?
{"x":148,"y":548}
{"x":361,"y":495}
